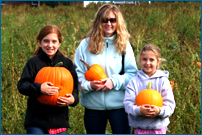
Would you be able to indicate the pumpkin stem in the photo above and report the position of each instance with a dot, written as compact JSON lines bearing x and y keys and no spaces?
{"x":149,"y":85}
{"x":85,"y":64}
{"x":59,"y":64}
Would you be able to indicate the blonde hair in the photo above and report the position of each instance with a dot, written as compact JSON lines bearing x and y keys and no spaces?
{"x":96,"y":34}
{"x":155,"y":50}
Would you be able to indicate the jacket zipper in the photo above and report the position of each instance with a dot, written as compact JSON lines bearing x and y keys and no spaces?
{"x":105,"y":70}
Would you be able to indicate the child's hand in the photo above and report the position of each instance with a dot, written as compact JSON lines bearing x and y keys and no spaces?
{"x":149,"y":110}
{"x":155,"y":109}
{"x":145,"y":110}
{"x":65,"y":101}
{"x":48,"y":89}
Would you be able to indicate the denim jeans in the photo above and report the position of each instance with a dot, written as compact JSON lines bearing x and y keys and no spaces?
{"x":38,"y":130}
{"x":95,"y":121}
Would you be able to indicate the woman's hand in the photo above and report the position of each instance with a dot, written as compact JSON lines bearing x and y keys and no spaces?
{"x":108,"y":85}
{"x":47,"y":88}
{"x":65,"y":101}
{"x":149,"y":110}
{"x":96,"y":85}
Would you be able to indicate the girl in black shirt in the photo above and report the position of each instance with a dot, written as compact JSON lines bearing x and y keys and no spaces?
{"x":42,"y":118}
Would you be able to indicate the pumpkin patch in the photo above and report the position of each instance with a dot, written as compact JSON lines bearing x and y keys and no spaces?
{"x":59,"y":77}
{"x":199,"y":65}
{"x":173,"y":84}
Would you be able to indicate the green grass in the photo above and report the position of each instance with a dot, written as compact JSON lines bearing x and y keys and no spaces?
{"x":175,"y":27}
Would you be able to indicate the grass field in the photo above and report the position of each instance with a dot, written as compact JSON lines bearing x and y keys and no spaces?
{"x":175,"y":27}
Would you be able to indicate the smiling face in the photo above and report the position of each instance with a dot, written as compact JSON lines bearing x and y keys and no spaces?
{"x":149,"y":62}
{"x":50,"y":44}
{"x":109,"y":27}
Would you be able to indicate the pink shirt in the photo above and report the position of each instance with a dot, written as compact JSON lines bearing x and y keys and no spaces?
{"x":150,"y":131}
{"x":57,"y":130}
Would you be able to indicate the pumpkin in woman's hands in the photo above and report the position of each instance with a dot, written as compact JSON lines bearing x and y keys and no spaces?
{"x":94,"y":73}
{"x":59,"y":77}
{"x":149,"y":96}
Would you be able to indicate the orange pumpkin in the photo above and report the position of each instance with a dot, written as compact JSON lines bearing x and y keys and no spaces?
{"x":199,"y":64}
{"x":149,"y":96}
{"x":59,"y":77}
{"x":94,"y":73}
{"x":173,"y":84}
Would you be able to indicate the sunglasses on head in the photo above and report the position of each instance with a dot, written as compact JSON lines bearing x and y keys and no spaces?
{"x":112,"y":20}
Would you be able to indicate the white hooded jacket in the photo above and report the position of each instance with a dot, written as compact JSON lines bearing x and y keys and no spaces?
{"x":160,"y":83}
{"x":111,"y":62}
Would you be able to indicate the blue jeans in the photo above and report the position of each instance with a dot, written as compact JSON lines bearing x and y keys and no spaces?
{"x":38,"y":130}
{"x":95,"y":121}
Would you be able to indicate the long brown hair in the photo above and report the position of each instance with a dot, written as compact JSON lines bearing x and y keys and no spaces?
{"x":96,"y":34}
{"x":48,"y":29}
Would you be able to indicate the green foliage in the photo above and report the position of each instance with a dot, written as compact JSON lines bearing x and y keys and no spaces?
{"x":56,"y":3}
{"x":175,"y":27}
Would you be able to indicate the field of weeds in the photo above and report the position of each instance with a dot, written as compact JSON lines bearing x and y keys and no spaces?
{"x":175,"y":27}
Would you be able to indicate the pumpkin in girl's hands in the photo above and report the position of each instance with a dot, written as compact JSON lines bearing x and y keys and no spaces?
{"x":149,"y":96}
{"x":59,"y":77}
{"x":94,"y":73}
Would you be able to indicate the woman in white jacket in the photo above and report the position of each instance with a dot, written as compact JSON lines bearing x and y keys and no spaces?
{"x":140,"y":116}
{"x":105,"y":45}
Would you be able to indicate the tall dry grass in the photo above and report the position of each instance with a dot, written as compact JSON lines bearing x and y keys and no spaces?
{"x":175,"y":27}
